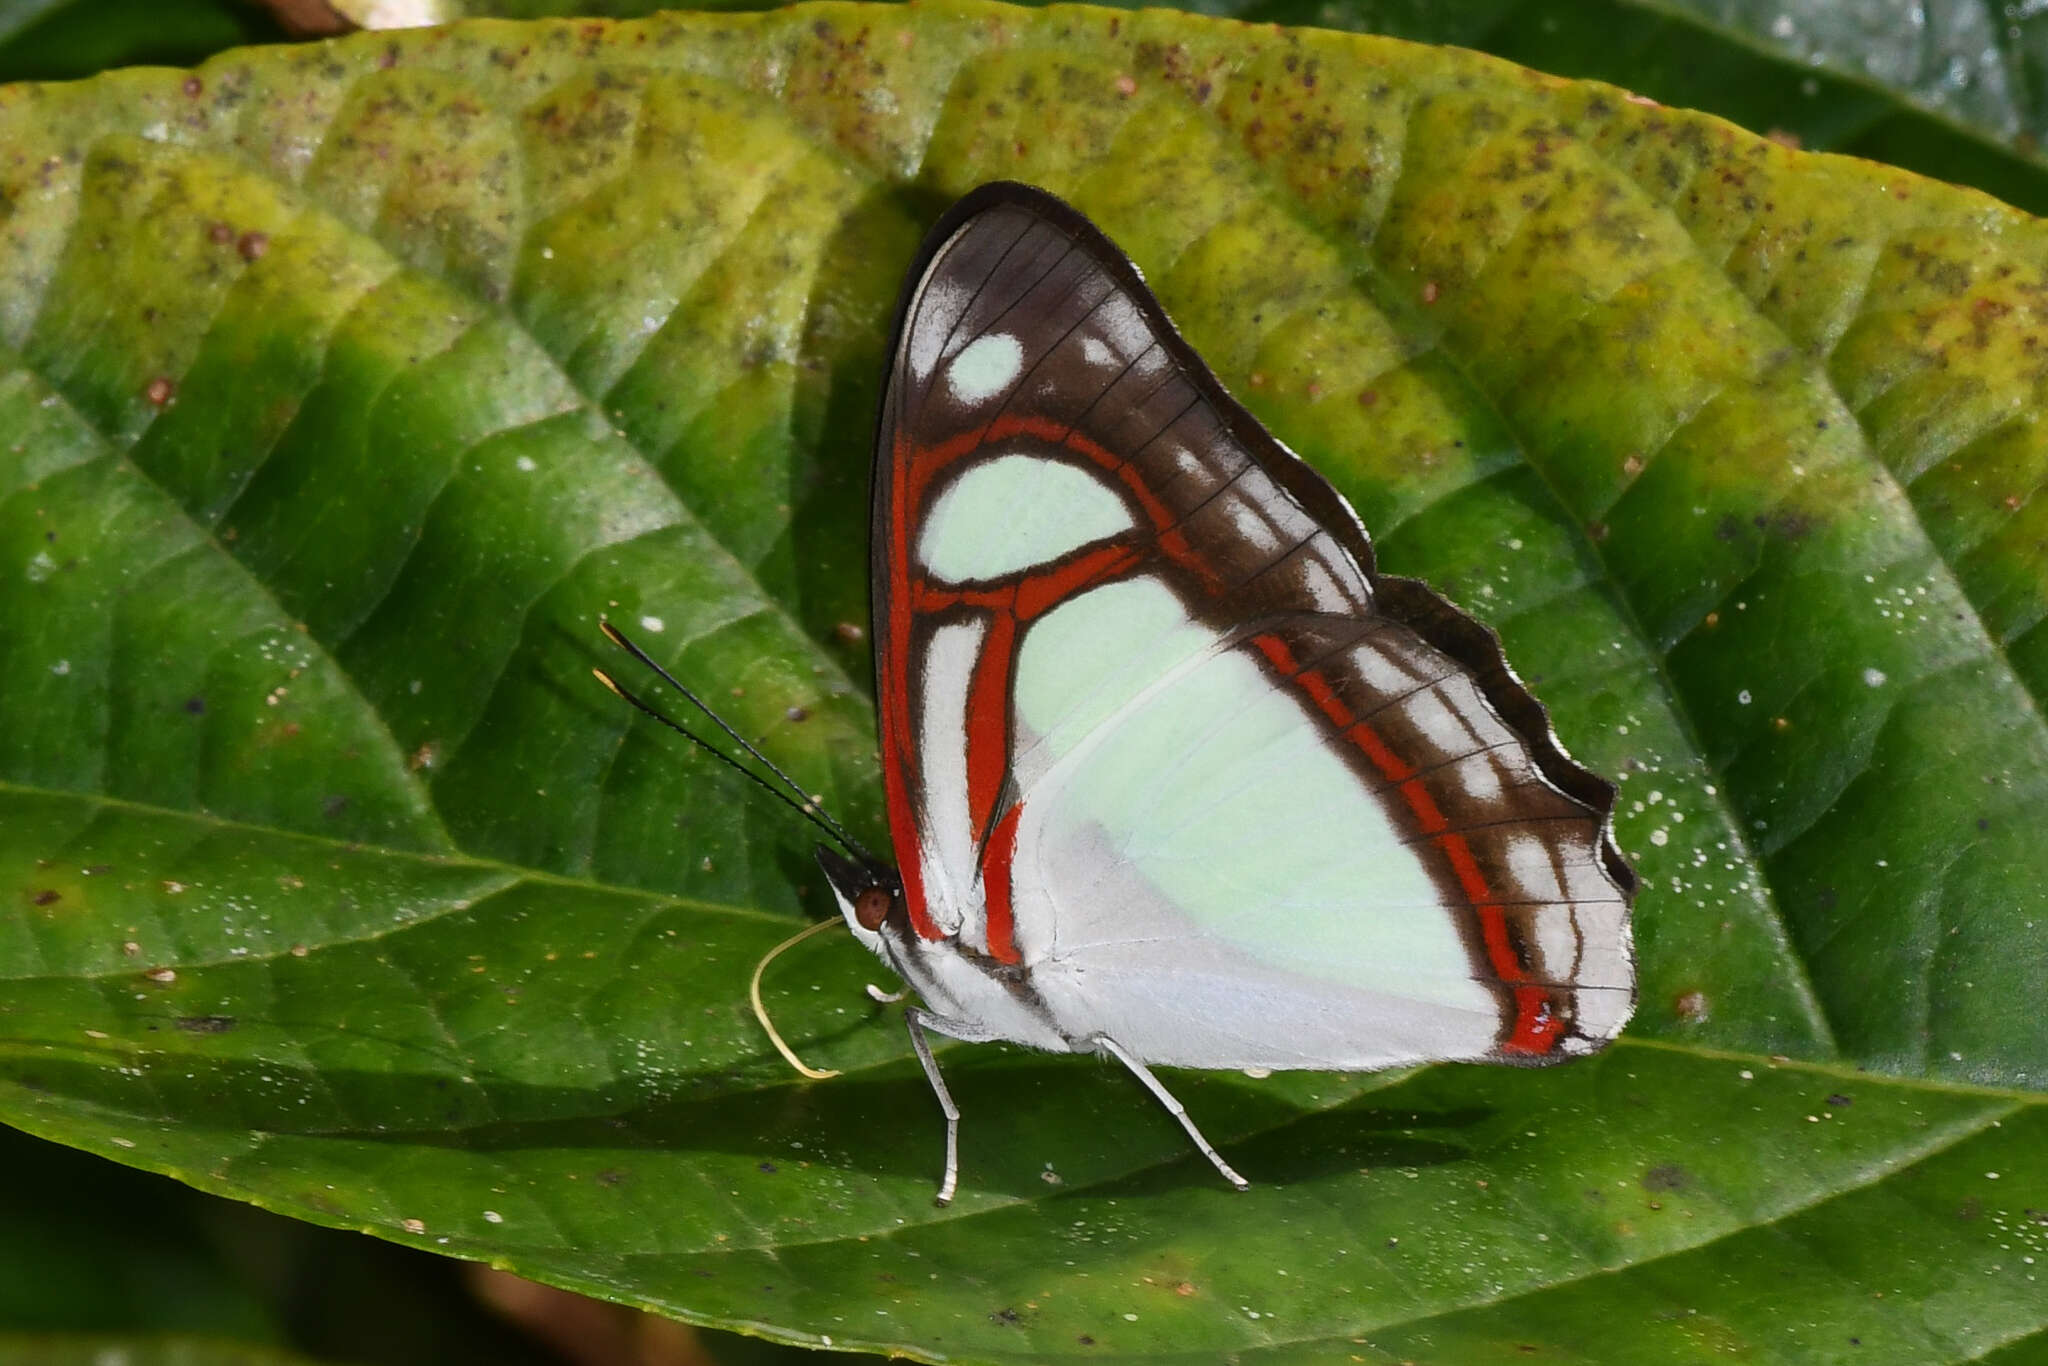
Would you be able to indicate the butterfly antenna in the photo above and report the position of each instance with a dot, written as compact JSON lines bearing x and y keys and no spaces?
{"x":804,"y":808}
{"x":810,"y":807}
{"x":761,"y":1012}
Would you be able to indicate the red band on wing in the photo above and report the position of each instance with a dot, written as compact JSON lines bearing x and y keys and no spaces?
{"x":996,"y":884}
{"x":1536,"y":1028}
{"x":988,"y":718}
{"x":987,"y":723}
{"x":898,"y":739}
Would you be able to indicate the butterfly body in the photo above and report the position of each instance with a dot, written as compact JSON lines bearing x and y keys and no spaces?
{"x":1173,"y":773}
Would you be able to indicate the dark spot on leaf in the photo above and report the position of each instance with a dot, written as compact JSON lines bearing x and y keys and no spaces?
{"x":1085,"y":1340}
{"x":206,"y":1024}
{"x":797,"y":714}
{"x":49,"y":896}
{"x":253,"y":245}
{"x":220,"y":234}
{"x":1728,"y":528}
{"x":1691,"y":1005}
{"x":1840,"y":1101}
{"x":194,"y":86}
{"x":768,"y":1167}
{"x":1793,"y":526}
{"x":1668,"y":1176}
{"x":334,"y":806}
{"x":610,"y":1176}
{"x":1009,"y":1316}
{"x":1826,"y":898}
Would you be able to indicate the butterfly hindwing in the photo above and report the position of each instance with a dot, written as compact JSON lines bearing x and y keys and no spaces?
{"x":1164,"y":752}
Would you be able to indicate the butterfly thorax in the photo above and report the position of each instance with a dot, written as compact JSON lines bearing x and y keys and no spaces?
{"x":955,"y":979}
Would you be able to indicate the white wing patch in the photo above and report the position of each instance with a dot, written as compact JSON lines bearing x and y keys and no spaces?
{"x":985,"y":367}
{"x":1185,"y":797}
{"x":942,"y":748}
{"x":1013,"y":513}
{"x":938,"y":309}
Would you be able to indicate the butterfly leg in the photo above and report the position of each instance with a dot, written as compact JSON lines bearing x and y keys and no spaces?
{"x":917,"y":1020}
{"x":1173,"y":1106}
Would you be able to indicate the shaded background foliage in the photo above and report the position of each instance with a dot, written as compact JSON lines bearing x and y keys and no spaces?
{"x":1955,"y":93}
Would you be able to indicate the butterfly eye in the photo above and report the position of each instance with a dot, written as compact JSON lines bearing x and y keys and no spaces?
{"x":871,"y":908}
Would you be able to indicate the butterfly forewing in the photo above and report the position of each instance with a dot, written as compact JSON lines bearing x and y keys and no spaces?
{"x":1163,"y":747}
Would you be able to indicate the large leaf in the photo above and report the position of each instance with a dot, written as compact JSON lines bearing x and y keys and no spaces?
{"x":351,"y":384}
{"x":1944,"y":88}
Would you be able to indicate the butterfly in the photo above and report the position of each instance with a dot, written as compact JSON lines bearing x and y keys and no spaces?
{"x":1173,"y":773}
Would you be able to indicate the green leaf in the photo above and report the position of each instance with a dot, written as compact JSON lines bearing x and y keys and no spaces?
{"x":1942,"y":88}
{"x":348,"y":386}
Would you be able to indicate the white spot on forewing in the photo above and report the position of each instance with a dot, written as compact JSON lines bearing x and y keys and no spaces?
{"x":1290,"y":524}
{"x":1252,"y":528}
{"x":986,"y":367}
{"x":1187,"y":463}
{"x":1012,"y":513}
{"x":938,"y":309}
{"x":1122,"y":324}
{"x":1326,"y":593}
{"x":1094,"y":352}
